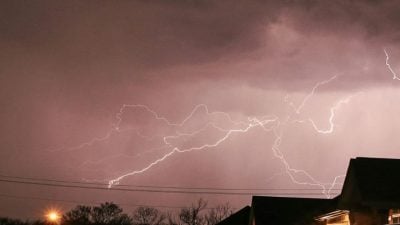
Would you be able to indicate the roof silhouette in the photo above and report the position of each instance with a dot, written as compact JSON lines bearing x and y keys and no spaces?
{"x":372,"y":182}
{"x":241,"y":217}
{"x":285,"y":210}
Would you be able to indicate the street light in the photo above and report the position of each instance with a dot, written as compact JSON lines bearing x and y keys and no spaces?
{"x":53,"y":217}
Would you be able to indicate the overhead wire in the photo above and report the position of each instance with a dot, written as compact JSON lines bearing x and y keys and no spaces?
{"x":153,"y":190}
{"x":155,"y":186}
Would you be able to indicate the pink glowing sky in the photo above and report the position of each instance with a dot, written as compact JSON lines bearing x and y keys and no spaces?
{"x":67,"y":68}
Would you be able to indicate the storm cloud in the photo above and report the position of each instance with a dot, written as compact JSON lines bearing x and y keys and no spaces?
{"x":94,"y":90}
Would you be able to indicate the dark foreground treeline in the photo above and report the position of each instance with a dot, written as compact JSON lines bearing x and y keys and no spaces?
{"x":112,"y":214}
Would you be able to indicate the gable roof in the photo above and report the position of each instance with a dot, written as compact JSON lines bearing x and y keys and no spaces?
{"x":289,"y":211}
{"x":372,"y":182}
{"x":241,"y":217}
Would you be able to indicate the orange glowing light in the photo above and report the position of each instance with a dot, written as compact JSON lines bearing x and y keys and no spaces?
{"x":53,"y":216}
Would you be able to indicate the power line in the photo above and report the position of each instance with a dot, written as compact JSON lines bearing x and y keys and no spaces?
{"x":164,"y":187}
{"x":152,"y":190}
{"x":89,"y":202}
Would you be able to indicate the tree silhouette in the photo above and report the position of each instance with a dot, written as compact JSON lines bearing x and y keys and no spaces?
{"x":80,"y":215}
{"x":105,"y":214}
{"x":110,"y":214}
{"x":191,"y":215}
{"x":218,"y":213}
{"x":9,"y":221}
{"x":148,"y":216}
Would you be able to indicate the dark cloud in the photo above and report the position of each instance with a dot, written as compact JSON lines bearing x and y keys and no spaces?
{"x":373,"y":19}
{"x":119,"y":41}
{"x":135,"y":32}
{"x":67,"y":67}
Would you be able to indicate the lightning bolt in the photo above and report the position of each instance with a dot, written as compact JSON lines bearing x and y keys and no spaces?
{"x":332,"y":116}
{"x":177,"y":150}
{"x":276,"y":126}
{"x":311,"y":94}
{"x":116,"y":127}
{"x":395,"y":77}
{"x":292,"y":172}
{"x":166,"y":121}
{"x":88,"y":143}
{"x":269,"y":123}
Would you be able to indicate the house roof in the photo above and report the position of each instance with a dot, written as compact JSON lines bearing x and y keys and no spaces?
{"x":241,"y":217}
{"x":372,"y":182}
{"x":289,"y":211}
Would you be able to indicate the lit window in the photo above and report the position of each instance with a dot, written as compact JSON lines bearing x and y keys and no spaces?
{"x":339,"y":217}
{"x":394,"y":216}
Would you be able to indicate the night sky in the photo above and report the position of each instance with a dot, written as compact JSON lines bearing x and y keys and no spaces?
{"x":273,"y":95}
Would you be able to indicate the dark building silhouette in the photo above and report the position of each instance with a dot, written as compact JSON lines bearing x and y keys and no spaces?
{"x":370,"y":196}
{"x":287,"y":211}
{"x":239,"y":218}
{"x":371,"y":191}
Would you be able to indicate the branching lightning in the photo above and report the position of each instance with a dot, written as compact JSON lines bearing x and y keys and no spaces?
{"x":269,"y":123}
{"x":177,"y":150}
{"x":292,"y":172}
{"x":88,"y":143}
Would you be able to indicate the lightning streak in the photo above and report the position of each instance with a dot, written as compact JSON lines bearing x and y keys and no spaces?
{"x":276,"y":125}
{"x":166,"y":121}
{"x":116,"y":127}
{"x":395,"y":77}
{"x":269,"y":123}
{"x":292,"y":172}
{"x":311,"y":94}
{"x":331,"y":117}
{"x":88,"y":143}
{"x":177,"y":150}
